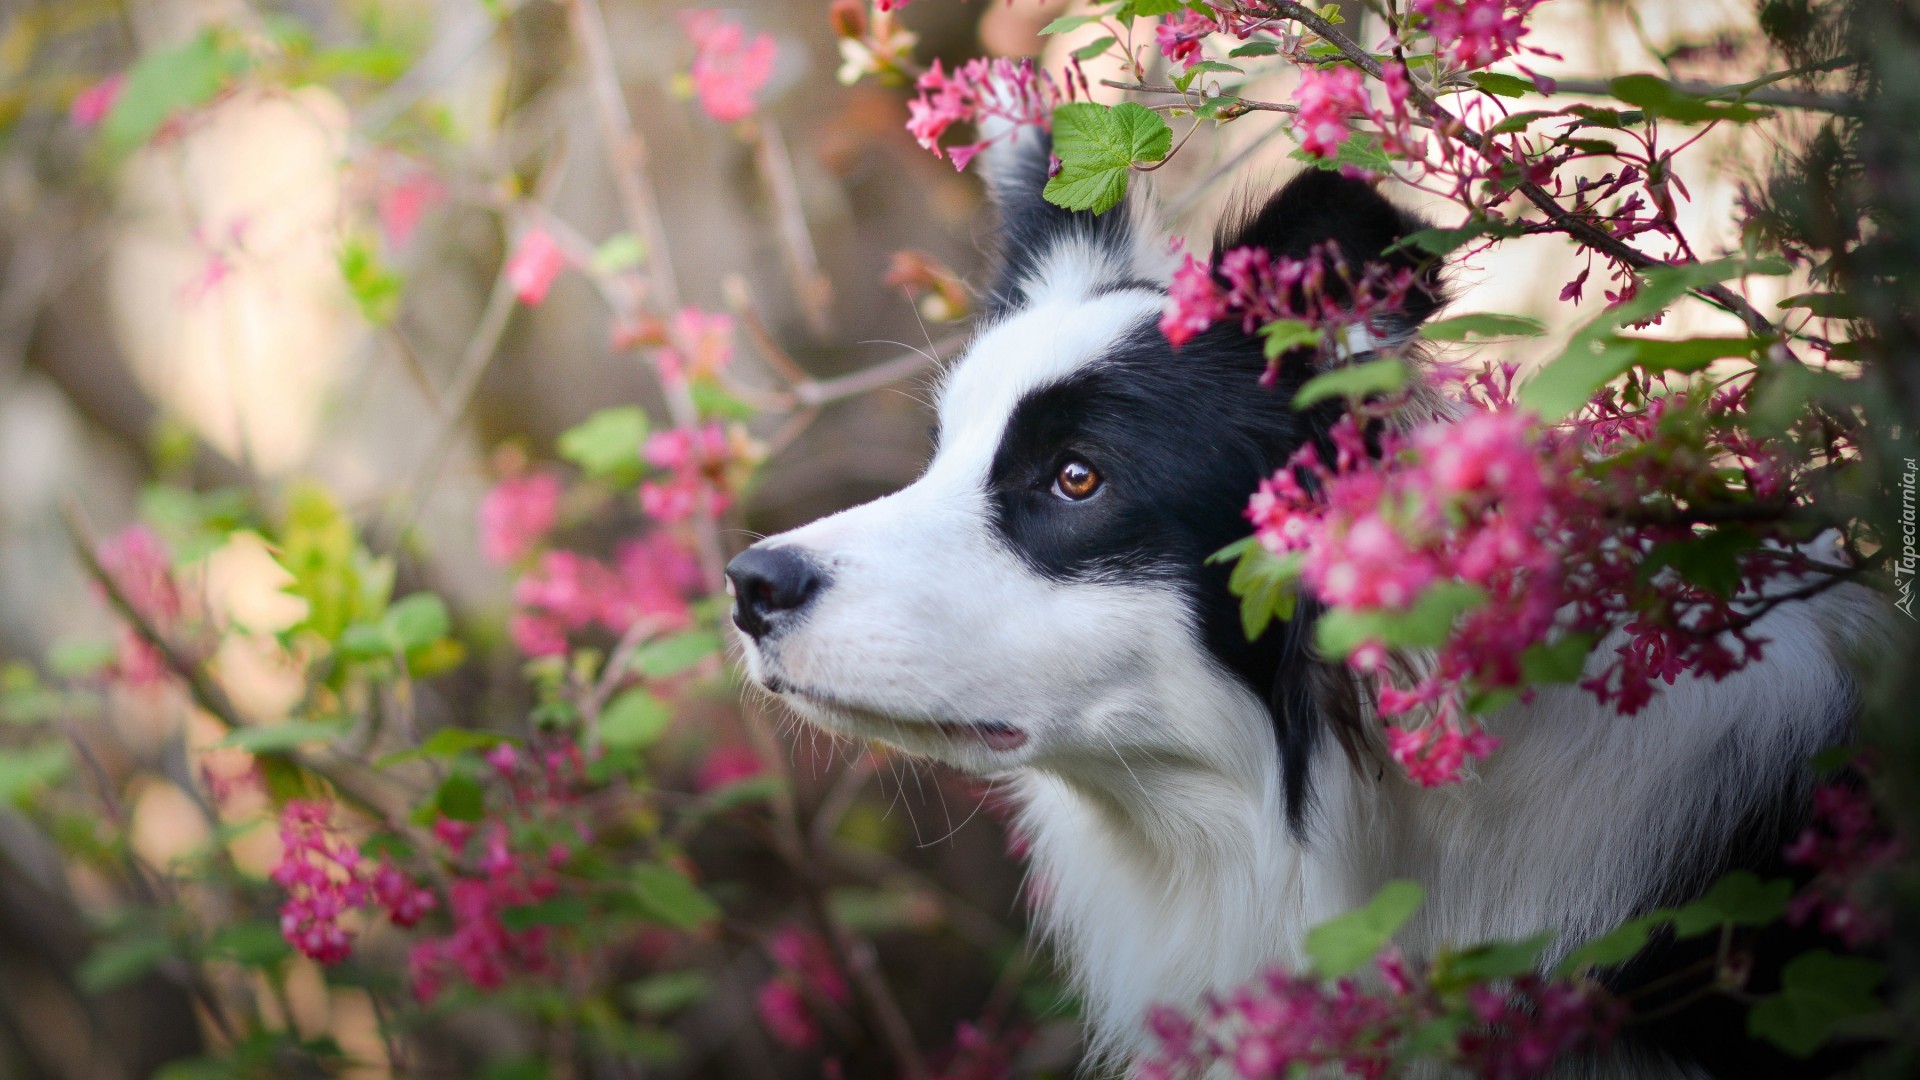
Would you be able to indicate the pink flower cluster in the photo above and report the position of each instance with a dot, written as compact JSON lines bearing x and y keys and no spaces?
{"x":1180,"y":35}
{"x":729,"y":68}
{"x":403,"y":201}
{"x":1552,"y":530}
{"x":1328,"y":98}
{"x":805,"y":972}
{"x":1282,"y":1025}
{"x":1527,"y":1026}
{"x":92,"y":105}
{"x":1475,"y":33}
{"x":978,"y":1054}
{"x":698,"y":463}
{"x":977,"y":92}
{"x":699,"y":345}
{"x":141,"y":567}
{"x":1848,"y":848}
{"x":509,"y":860}
{"x":567,"y":592}
{"x":1260,"y":287}
{"x":516,"y":515}
{"x":324,"y":878}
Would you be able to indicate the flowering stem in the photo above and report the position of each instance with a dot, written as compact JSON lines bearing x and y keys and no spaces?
{"x":1573,"y":225}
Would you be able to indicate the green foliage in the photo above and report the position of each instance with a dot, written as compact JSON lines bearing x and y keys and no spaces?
{"x":1340,"y":631}
{"x":634,"y":720}
{"x":1354,"y":381}
{"x":167,"y":81}
{"x":1483,"y":326}
{"x":373,"y":286}
{"x":607,"y":445}
{"x":1819,"y":994}
{"x":1341,"y":945}
{"x":669,"y":896}
{"x":1098,"y":147}
{"x":1658,"y":97}
{"x":26,"y":773}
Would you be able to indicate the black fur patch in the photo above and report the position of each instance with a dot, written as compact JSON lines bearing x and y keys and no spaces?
{"x":1030,"y":226}
{"x":1181,"y":437}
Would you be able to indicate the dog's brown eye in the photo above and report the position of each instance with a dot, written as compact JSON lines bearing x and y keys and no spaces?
{"x":1076,"y":480}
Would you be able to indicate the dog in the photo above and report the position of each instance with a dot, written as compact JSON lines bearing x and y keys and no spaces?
{"x":1038,"y":607}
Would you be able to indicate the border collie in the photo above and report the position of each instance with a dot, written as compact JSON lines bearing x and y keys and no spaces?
{"x":1037,"y":607}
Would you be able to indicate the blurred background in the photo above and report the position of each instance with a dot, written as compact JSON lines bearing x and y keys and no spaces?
{"x":283,"y":271}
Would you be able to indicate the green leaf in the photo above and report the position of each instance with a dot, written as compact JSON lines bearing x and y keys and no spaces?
{"x":1492,"y":960}
{"x":1519,"y":121}
{"x":1559,"y":661}
{"x":80,"y":658}
{"x":621,"y":251}
{"x":279,"y":738}
{"x":1353,"y":381}
{"x":1616,"y":946}
{"x":1825,"y":305}
{"x":1661,"y":98}
{"x":1265,"y":584}
{"x":1285,"y":335}
{"x":673,"y":655}
{"x":417,"y":621}
{"x":1494,"y":82}
{"x":1446,"y":241}
{"x":1595,"y":356}
{"x":1097,"y":48}
{"x":1818,"y":992}
{"x":559,"y":911}
{"x":166,"y":81}
{"x":1427,"y":623}
{"x":445,"y":743}
{"x":252,"y":944}
{"x":670,"y":992}
{"x":1065,"y":23}
{"x":1206,"y":67}
{"x":608,"y":443}
{"x":25,"y":773}
{"x":1710,"y":560}
{"x":1339,"y":946}
{"x":634,"y":721}
{"x":1359,"y":150}
{"x":670,"y":897}
{"x":374,"y":287}
{"x":1098,"y":147}
{"x":460,"y":798}
{"x":1689,"y":354}
{"x":1738,"y":899}
{"x":1254,"y":48}
{"x":128,"y":959}
{"x":1482,"y":326}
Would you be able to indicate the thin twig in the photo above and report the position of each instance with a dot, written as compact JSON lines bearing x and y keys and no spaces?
{"x":1247,"y":104}
{"x":810,"y":284}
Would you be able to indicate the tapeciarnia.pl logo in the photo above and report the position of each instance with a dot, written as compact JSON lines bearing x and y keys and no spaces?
{"x":1909,"y":561}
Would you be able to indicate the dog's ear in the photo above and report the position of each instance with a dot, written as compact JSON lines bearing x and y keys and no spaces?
{"x":1043,"y":250}
{"x":1319,"y":208}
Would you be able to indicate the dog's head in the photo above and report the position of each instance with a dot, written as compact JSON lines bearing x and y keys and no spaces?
{"x":1040,"y":596}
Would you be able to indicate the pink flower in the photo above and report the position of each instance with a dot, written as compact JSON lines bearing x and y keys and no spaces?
{"x":728,"y":69}
{"x":805,"y":955}
{"x":1327,"y":97}
{"x":325,"y":878}
{"x":699,"y":344}
{"x":533,"y":266}
{"x":726,"y":765}
{"x":1179,"y":36}
{"x":1015,"y":94}
{"x":404,"y":203}
{"x":1435,"y":754}
{"x":783,"y":1010}
{"x":516,"y":515}
{"x":697,"y":460}
{"x":1475,"y":33}
{"x":92,"y":105}
{"x":1194,"y":302}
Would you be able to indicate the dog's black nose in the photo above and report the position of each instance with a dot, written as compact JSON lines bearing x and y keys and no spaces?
{"x":769,"y":586}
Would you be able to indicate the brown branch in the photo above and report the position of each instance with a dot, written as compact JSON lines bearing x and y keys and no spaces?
{"x":1580,"y":228}
{"x":1247,"y":104}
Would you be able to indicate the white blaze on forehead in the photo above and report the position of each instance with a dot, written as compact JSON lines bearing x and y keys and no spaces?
{"x":1041,"y":345}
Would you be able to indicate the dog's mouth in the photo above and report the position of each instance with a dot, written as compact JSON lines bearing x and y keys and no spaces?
{"x":992,"y":734}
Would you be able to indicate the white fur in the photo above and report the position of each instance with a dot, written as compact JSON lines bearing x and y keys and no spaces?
{"x":1161,"y":859}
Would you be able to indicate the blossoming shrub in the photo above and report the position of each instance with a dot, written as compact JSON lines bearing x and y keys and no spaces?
{"x":608,"y":863}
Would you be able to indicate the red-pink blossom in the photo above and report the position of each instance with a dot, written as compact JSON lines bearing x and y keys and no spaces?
{"x":1194,"y":302}
{"x":697,"y":461}
{"x":727,"y":764}
{"x":536,"y":261}
{"x":1475,"y":33}
{"x":567,"y":592}
{"x":92,"y":105}
{"x":699,"y":344}
{"x":324,"y":878}
{"x":1328,"y":98}
{"x":1849,"y":849}
{"x":783,"y":1010}
{"x":1437,"y":753}
{"x":1013,"y":95}
{"x":729,"y":69}
{"x":405,"y":201}
{"x":517,"y":514}
{"x":1179,"y":36}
